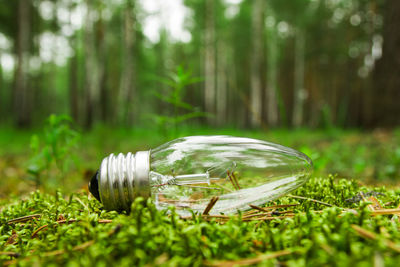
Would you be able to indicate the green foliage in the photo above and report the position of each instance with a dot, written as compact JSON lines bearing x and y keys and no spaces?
{"x":53,"y":150}
{"x":371,"y":157}
{"x":177,"y":85}
{"x":317,"y":235}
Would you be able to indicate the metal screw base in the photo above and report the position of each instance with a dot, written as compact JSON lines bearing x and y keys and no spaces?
{"x":123,"y":178}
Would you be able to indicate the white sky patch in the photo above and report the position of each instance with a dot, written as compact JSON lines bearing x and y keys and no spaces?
{"x":270,"y":21}
{"x":5,"y":43}
{"x":67,"y":30}
{"x":7,"y":62}
{"x":77,"y":16}
{"x":232,"y":8}
{"x":338,"y":15}
{"x":283,"y":29}
{"x":370,"y":58}
{"x":63,"y":15}
{"x":46,"y":10}
{"x":355,"y":20}
{"x":377,"y":42}
{"x":231,"y":11}
{"x":35,"y":63}
{"x":168,"y":14}
{"x":46,"y":46}
{"x":54,"y":48}
{"x":233,"y":2}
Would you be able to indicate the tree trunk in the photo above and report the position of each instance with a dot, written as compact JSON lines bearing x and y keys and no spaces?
{"x":91,"y":67}
{"x":222,"y":85}
{"x":209,"y":60}
{"x":272,"y":82}
{"x":386,"y":91}
{"x":73,"y":88}
{"x":127,"y":88}
{"x":102,"y":63}
{"x":316,"y":94}
{"x":256,"y":60}
{"x":73,"y":75}
{"x":22,"y":96}
{"x":299,"y":91}
{"x":3,"y":109}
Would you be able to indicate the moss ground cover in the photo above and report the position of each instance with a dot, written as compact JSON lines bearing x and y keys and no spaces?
{"x":328,"y":221}
{"x":345,"y":226}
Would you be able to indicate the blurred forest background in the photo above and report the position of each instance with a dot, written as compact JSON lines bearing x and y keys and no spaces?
{"x":81,"y":79}
{"x":321,"y":76}
{"x":250,"y":63}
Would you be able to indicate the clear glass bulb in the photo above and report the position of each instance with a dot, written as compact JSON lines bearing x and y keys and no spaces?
{"x":189,"y":171}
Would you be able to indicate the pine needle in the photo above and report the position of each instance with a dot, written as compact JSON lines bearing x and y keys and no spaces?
{"x":24,"y":218}
{"x":34,"y":234}
{"x":312,"y":200}
{"x":371,"y":235}
{"x":210,"y":205}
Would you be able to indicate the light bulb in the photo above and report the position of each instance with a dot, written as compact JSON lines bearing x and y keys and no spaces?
{"x":189,"y":171}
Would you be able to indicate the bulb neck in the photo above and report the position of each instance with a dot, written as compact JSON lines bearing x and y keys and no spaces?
{"x":123,"y":178}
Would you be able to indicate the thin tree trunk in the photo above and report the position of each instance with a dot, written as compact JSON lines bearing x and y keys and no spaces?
{"x":3,"y":109}
{"x":272,"y":82}
{"x":209,"y":58}
{"x":127,"y":88}
{"x":73,"y":75}
{"x":91,"y":67}
{"x":73,"y":88}
{"x":386,"y":91}
{"x":222,"y":85}
{"x":105,"y":99}
{"x":73,"y":78}
{"x":22,"y":105}
{"x":256,"y":81}
{"x":315,"y":95}
{"x":235,"y":108}
{"x":102,"y":58}
{"x":163,"y":55}
{"x":368,"y":94}
{"x":299,"y":91}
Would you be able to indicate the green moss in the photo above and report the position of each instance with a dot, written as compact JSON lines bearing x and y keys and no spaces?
{"x":316,"y":235}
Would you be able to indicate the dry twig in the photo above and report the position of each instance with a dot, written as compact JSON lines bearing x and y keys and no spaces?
{"x":34,"y":234}
{"x":371,"y":235}
{"x":76,"y":248}
{"x":24,"y":218}
{"x":210,"y":205}
{"x":375,"y":204}
{"x":9,"y":253}
{"x":312,"y":200}
{"x":232,"y":177}
{"x":12,"y":239}
{"x":385,"y":212}
{"x":269,"y":208}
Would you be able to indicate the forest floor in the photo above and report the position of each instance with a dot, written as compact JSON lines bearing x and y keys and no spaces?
{"x":350,"y":217}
